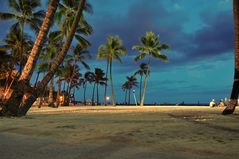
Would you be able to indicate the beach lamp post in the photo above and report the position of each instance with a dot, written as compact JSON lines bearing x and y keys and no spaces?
{"x":107,"y":99}
{"x":136,"y":103}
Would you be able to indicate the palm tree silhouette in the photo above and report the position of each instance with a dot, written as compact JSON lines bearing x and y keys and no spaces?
{"x":89,"y":77}
{"x":111,"y":51}
{"x":141,"y":72}
{"x":152,"y":48}
{"x":24,"y":12}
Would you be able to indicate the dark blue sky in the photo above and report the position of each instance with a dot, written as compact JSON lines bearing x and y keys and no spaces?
{"x":200,"y":35}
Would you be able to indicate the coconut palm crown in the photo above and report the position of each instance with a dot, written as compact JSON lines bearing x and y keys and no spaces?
{"x":110,"y":51}
{"x":151,"y":47}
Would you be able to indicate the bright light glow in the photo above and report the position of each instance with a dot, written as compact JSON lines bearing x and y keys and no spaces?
{"x":61,"y":98}
{"x":107,"y":98}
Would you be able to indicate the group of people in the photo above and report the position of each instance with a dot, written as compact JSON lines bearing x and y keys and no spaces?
{"x":220,"y":104}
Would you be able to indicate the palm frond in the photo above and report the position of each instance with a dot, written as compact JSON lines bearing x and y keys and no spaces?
{"x":140,"y":56}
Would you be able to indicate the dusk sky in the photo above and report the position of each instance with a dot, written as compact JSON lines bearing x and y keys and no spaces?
{"x":200,"y":36}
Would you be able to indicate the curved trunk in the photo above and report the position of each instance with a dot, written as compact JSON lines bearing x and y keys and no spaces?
{"x":105,"y":93}
{"x":111,"y":84}
{"x":11,"y":107}
{"x":145,"y":83}
{"x":31,"y":61}
{"x":59,"y":59}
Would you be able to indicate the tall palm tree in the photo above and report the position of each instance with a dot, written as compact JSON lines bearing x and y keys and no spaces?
{"x":18,"y":46}
{"x":25,"y":12}
{"x":80,"y":54}
{"x":125,"y":87}
{"x":235,"y":89}
{"x":40,"y":39}
{"x":131,"y":82}
{"x":60,"y":74}
{"x":111,"y":51}
{"x":99,"y":80}
{"x":89,"y":77}
{"x":49,"y":53}
{"x":152,"y":48}
{"x":141,"y":72}
{"x":12,"y":105}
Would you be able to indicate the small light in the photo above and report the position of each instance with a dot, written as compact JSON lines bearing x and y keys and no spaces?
{"x":107,"y":98}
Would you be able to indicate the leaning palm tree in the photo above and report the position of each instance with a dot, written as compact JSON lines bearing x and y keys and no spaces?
{"x":141,"y":72}
{"x":152,"y":48}
{"x":235,"y":89}
{"x":25,"y":12}
{"x":111,"y":51}
{"x":11,"y":107}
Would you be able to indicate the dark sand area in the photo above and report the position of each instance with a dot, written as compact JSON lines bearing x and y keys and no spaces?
{"x":121,"y":133}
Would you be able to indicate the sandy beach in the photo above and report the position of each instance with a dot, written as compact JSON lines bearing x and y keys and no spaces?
{"x":166,"y":132}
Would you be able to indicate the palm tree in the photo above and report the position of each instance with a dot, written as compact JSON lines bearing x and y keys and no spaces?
{"x":235,"y":89}
{"x":11,"y":107}
{"x":111,"y":51}
{"x":80,"y":54}
{"x":151,"y":47}
{"x":24,"y":13}
{"x":141,"y":72}
{"x":15,"y":43}
{"x":125,"y":87}
{"x":65,"y":16}
{"x":88,"y":77}
{"x":130,"y":83}
{"x":99,"y":80}
{"x":60,"y":74}
{"x":49,"y":53}
{"x":41,"y":67}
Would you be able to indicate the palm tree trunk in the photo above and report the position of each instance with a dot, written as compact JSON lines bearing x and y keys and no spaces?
{"x":125,"y":96}
{"x":111,"y":84}
{"x":140,"y":88}
{"x":129,"y":97}
{"x":21,"y":51}
{"x":97,"y":93}
{"x":11,"y":107}
{"x":85,"y":93}
{"x":58,"y":92}
{"x":38,"y":73}
{"x":59,"y":59}
{"x":145,"y":83}
{"x":93,"y":96}
{"x":50,"y":98}
{"x":107,"y":67}
{"x":235,"y":88}
{"x":31,"y":61}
